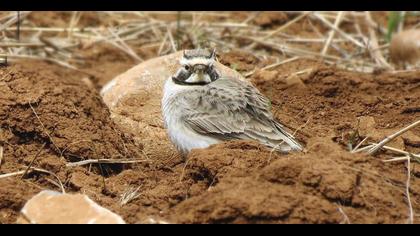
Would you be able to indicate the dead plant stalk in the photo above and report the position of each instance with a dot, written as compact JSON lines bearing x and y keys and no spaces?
{"x":332,"y":32}
{"x":1,"y":156}
{"x":21,"y":172}
{"x":105,"y":161}
{"x":407,"y":189}
{"x":375,"y":148}
{"x":376,"y":54}
{"x":281,"y":28}
{"x":33,"y":160}
{"x":342,"y":33}
{"x":43,"y":126}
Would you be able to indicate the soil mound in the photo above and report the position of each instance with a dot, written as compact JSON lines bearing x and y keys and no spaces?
{"x":49,"y":116}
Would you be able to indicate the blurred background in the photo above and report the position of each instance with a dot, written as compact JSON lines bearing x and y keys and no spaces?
{"x":104,"y":44}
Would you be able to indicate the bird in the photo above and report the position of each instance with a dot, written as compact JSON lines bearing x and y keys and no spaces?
{"x":201,"y":107}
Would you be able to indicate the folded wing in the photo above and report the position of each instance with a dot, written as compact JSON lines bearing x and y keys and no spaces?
{"x":234,"y":109}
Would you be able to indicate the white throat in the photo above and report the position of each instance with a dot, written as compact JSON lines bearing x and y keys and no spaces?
{"x":199,"y":78}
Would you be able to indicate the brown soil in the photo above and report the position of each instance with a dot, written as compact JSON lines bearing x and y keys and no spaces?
{"x":327,"y":183}
{"x":267,"y":19}
{"x":234,"y":182}
{"x":48,"y":110}
{"x":103,"y":62}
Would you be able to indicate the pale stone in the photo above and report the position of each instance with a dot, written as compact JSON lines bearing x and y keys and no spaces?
{"x":49,"y":207}
{"x":405,"y":47}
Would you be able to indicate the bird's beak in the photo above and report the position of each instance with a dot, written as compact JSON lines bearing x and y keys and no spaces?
{"x":199,"y":75}
{"x":199,"y":69}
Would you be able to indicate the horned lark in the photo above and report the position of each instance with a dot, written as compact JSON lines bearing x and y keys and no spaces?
{"x":201,"y":107}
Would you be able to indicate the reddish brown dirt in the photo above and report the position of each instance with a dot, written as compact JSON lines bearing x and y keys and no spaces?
{"x":42,"y":105}
{"x":38,"y":105}
{"x":235,"y":182}
{"x":326,"y":184}
{"x":238,"y":182}
{"x":267,"y":19}
{"x":103,"y":62}
{"x":239,"y":61}
{"x":321,"y":186}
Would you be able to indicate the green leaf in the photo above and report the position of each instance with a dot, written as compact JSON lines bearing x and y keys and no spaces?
{"x":394,"y":19}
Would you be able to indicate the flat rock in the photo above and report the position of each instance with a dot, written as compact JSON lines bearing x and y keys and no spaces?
{"x":49,"y":207}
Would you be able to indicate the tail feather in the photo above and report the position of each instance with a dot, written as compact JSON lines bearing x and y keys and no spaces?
{"x":281,"y":140}
{"x":286,"y":145}
{"x":289,"y":139}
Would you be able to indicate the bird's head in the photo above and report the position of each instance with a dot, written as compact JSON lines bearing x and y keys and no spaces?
{"x":197,"y":68}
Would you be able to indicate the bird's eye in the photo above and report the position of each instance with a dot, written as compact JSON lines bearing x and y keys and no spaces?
{"x":187,"y":67}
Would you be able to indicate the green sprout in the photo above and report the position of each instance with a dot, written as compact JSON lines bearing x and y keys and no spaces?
{"x":394,"y":20}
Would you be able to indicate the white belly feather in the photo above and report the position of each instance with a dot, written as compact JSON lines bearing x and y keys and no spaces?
{"x":183,"y":137}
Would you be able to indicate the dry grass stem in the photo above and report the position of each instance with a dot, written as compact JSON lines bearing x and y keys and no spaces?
{"x":3,"y":59}
{"x":16,"y":44}
{"x":43,"y":127}
{"x":376,"y":54}
{"x":125,"y":47}
{"x":21,"y":172}
{"x":162,"y":44}
{"x":129,"y":195}
{"x":363,"y":149}
{"x":13,"y":20}
{"x":1,"y":156}
{"x":342,"y":33}
{"x":358,"y":145}
{"x":184,"y":168}
{"x":399,"y":151}
{"x":287,"y":25}
{"x":346,"y":218}
{"x":53,"y":29}
{"x":310,"y":54}
{"x":33,"y":160}
{"x":12,"y":174}
{"x":171,"y":39}
{"x":281,"y":28}
{"x":378,"y":146}
{"x":273,"y":65}
{"x":105,"y":161}
{"x":332,"y":32}
{"x":407,"y":190}
{"x":404,"y":158}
